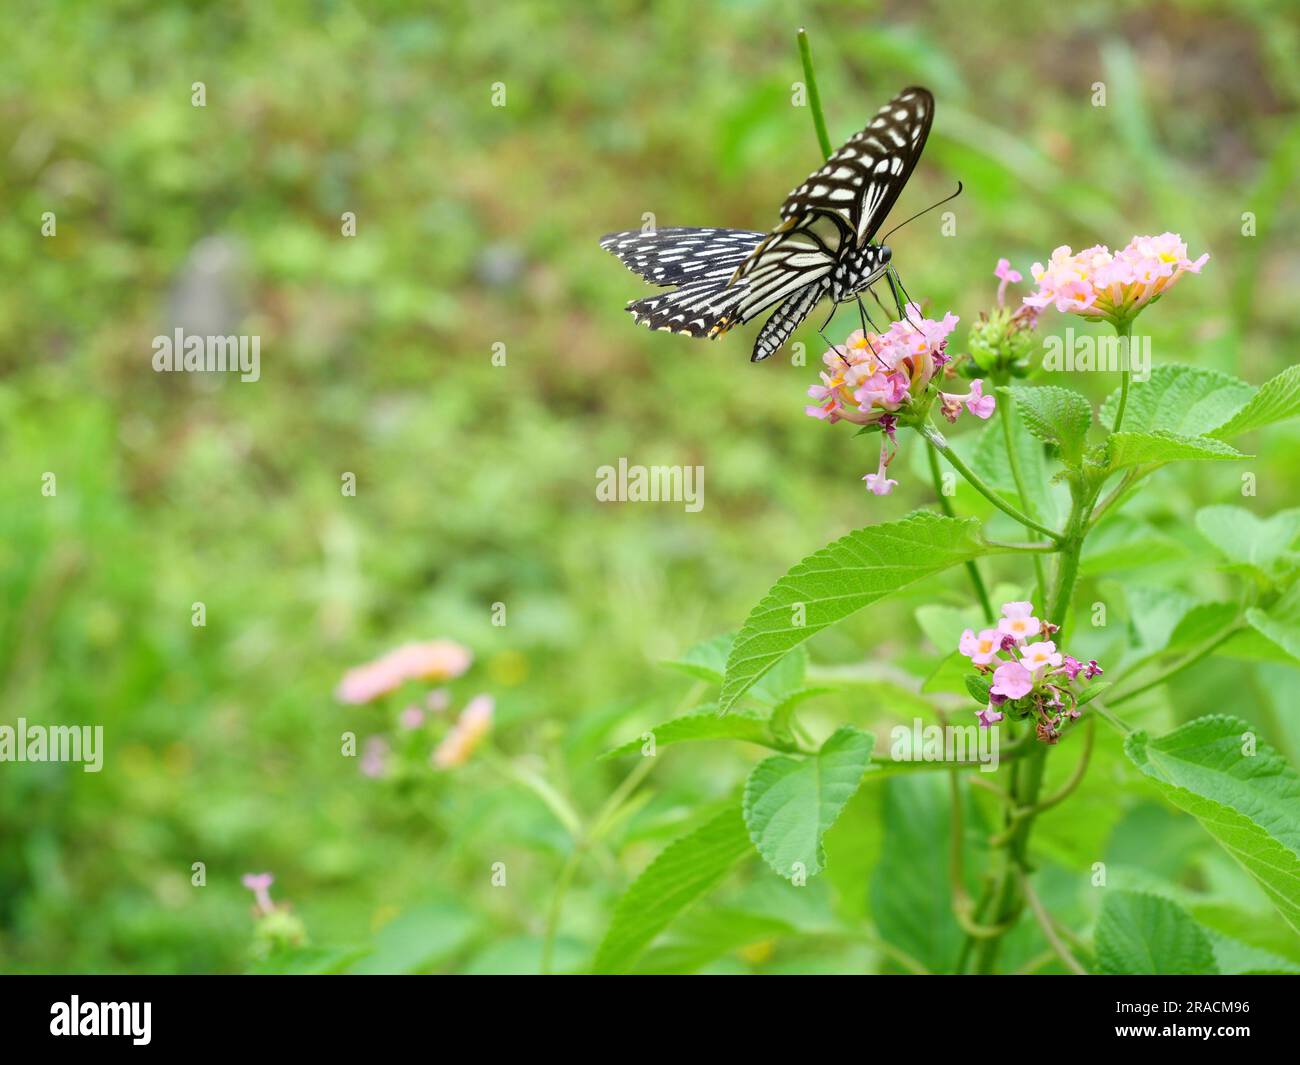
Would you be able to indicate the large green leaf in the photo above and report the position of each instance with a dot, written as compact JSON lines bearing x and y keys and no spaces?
{"x":911,"y":897}
{"x":684,"y":871}
{"x":838,"y":580}
{"x":989,"y":459}
{"x":1260,"y":544}
{"x":1057,"y":416}
{"x":1140,"y":935}
{"x":1280,"y":626}
{"x":1276,"y":400}
{"x":704,"y":723}
{"x":1250,"y":803}
{"x":790,"y":802}
{"x":1186,"y":400}
{"x":1159,"y":446}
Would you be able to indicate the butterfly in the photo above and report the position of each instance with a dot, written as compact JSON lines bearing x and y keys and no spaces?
{"x":822,"y":246}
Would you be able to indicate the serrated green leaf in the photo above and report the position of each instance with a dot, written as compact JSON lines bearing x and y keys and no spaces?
{"x":989,"y":459}
{"x":1145,"y":934}
{"x":1184,"y":400}
{"x":1234,"y":958}
{"x":1260,"y":544}
{"x":1057,"y":416}
{"x":1277,"y":399}
{"x":704,"y":723}
{"x":685,"y":870}
{"x":839,"y":580}
{"x":1141,"y":449}
{"x":1249,"y":803}
{"x":790,"y":802}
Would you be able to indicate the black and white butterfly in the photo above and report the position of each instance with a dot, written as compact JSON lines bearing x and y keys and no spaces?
{"x":822,"y":247}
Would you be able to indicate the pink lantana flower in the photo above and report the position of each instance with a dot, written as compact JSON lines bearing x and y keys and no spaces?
{"x":1005,"y":276}
{"x":1040,"y":656}
{"x":976,"y":401}
{"x":1101,"y":286}
{"x":474,"y":723}
{"x":980,"y":649}
{"x":1012,"y":680}
{"x":1018,"y":621}
{"x":988,"y":717}
{"x":876,"y":378}
{"x":433,"y":660}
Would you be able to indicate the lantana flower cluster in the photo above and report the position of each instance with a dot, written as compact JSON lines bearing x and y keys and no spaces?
{"x":1101,"y":286}
{"x":1027,"y":678}
{"x":882,"y":379}
{"x":432,"y":661}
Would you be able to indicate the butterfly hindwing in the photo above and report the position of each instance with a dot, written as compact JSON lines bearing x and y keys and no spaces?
{"x":678,"y":254}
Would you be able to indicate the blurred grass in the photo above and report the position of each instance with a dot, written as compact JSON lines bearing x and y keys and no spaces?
{"x":478,"y":225}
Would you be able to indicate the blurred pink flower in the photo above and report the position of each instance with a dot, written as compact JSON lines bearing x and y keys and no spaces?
{"x":473,"y":724}
{"x":1103,"y":287}
{"x":411,"y":718}
{"x":1005,"y":276}
{"x":260,"y":885}
{"x":374,"y":761}
{"x":433,"y":660}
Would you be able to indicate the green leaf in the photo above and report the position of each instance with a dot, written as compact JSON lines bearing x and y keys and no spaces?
{"x":1263,"y":545}
{"x":705,"y":661}
{"x":1249,"y":803}
{"x":1185,"y":400}
{"x":1140,"y":935}
{"x":1094,"y":689}
{"x":782,"y":720}
{"x":704,"y":723}
{"x":685,"y":870}
{"x":978,"y":686}
{"x":791,"y":802}
{"x":1235,"y":957}
{"x":911,"y":897}
{"x":1279,"y":629}
{"x":988,"y":458}
{"x":1141,"y":449}
{"x":1276,"y":400}
{"x":417,"y":940}
{"x":839,"y":580}
{"x":1057,"y":416}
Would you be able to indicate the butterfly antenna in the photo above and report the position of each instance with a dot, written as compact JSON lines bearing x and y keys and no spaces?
{"x":919,"y":213}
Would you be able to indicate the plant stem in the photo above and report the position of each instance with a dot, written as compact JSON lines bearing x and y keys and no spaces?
{"x":1180,"y":664}
{"x":973,"y":570}
{"x":582,"y":843}
{"x":1049,"y":928}
{"x":1123,"y":329}
{"x":936,"y":441}
{"x":1005,"y":416}
{"x":814,"y":97}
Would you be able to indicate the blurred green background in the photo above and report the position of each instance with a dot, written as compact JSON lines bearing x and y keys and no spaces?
{"x":477,"y":225}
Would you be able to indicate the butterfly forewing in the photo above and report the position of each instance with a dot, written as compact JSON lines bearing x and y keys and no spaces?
{"x":860,"y":182}
{"x":728,"y":276}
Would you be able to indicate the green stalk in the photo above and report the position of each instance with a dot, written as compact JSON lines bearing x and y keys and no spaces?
{"x":937,"y":441}
{"x":1125,"y":330}
{"x":814,"y":97}
{"x":1006,"y":415}
{"x":972,"y":570}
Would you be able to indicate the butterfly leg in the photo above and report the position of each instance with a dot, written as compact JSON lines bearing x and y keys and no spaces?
{"x":896,"y":286}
